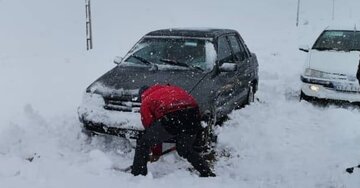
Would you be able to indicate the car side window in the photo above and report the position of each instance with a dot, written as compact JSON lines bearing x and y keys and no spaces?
{"x":224,"y":51}
{"x":238,"y":49}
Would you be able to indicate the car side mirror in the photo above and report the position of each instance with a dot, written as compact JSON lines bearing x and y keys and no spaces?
{"x":304,"y":48}
{"x":118,"y":60}
{"x":228,"y":67}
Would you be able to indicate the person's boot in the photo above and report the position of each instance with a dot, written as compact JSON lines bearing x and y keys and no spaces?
{"x":207,"y":174}
{"x":139,"y":171}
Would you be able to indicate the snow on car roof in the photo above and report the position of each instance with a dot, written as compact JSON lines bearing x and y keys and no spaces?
{"x":191,"y":32}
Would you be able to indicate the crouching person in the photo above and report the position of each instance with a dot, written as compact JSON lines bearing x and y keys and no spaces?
{"x":169,"y":112}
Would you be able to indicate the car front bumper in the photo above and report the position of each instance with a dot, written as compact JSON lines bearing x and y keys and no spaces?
{"x":322,"y":92}
{"x":98,"y":119}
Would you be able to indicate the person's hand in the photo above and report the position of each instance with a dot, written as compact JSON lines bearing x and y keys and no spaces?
{"x":206,"y":116}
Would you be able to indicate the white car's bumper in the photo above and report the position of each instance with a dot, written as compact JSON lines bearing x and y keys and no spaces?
{"x":321,"y":92}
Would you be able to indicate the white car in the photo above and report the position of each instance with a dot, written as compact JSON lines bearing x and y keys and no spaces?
{"x":331,"y":66}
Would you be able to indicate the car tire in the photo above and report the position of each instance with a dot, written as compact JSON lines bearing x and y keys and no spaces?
{"x":209,"y":129}
{"x":250,"y":98}
{"x":304,"y":97}
{"x":87,"y":132}
{"x":205,"y":145}
{"x":251,"y":95}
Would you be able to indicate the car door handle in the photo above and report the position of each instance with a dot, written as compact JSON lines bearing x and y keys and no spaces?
{"x":227,"y":87}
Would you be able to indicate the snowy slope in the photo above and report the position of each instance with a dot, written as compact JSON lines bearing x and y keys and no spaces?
{"x":278,"y":142}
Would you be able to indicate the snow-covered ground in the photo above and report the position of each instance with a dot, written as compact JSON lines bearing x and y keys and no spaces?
{"x":278,"y":142}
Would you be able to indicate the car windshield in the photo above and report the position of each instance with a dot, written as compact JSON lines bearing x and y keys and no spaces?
{"x":338,"y":40}
{"x":174,"y":52}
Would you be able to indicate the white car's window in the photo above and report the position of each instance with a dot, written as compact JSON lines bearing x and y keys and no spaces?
{"x":338,"y":40}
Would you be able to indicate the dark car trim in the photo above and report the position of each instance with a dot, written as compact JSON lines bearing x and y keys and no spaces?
{"x":315,"y":81}
{"x":115,"y":131}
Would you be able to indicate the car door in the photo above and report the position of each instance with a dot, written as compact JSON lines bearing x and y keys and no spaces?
{"x":226,"y":84}
{"x":242,"y":77}
{"x":252,"y":65}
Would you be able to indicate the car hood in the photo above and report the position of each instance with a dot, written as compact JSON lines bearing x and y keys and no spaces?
{"x":334,"y":61}
{"x":131,"y":78}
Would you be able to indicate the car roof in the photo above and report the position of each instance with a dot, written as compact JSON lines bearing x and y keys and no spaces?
{"x":191,"y":32}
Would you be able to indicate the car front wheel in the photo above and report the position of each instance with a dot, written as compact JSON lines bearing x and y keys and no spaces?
{"x":206,"y":138}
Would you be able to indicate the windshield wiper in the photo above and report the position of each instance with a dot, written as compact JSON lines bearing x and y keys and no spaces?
{"x":197,"y":67}
{"x":174,"y":62}
{"x":146,"y":62}
{"x":177,"y":63}
{"x":141,"y":59}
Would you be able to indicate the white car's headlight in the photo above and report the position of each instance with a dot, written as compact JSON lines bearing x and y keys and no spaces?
{"x":317,"y":74}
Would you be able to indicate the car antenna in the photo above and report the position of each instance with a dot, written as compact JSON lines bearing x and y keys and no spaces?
{"x":202,"y":78}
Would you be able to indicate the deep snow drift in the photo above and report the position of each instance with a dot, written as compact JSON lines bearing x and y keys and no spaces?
{"x":276,"y":142}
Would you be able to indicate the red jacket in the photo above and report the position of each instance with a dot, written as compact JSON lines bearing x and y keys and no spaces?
{"x":160,"y":100}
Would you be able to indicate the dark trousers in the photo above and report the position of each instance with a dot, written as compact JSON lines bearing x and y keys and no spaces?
{"x":181,"y":125}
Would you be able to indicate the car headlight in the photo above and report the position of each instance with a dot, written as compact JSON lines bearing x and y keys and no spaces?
{"x":314,"y":88}
{"x":317,"y":74}
{"x":93,"y":99}
{"x":90,"y":102}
